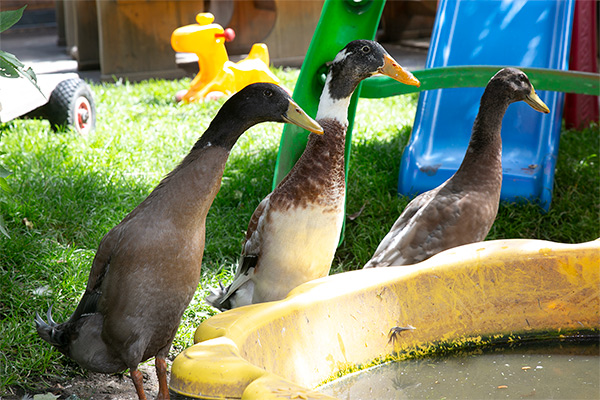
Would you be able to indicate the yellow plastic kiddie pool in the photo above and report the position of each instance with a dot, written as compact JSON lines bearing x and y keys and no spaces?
{"x":479,"y":293}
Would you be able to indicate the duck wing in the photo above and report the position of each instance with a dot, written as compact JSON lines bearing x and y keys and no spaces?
{"x":220,"y":298}
{"x":253,"y":241}
{"x":390,"y":249}
{"x":100,"y":266}
{"x":439,"y":220}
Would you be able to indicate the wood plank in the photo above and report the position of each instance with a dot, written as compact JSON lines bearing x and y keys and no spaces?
{"x":294,"y":28}
{"x":135,"y":37}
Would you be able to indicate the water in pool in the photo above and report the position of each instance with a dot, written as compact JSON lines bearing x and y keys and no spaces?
{"x":563,"y":371}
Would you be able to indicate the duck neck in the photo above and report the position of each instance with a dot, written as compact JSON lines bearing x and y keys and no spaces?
{"x":327,"y":150}
{"x":336,"y":96}
{"x":485,"y":146}
{"x":224,"y":130}
{"x":188,"y":191}
{"x":319,"y":172}
{"x":318,"y":175}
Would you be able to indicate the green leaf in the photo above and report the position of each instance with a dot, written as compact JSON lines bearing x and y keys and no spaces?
{"x":11,"y":59}
{"x":3,"y":227}
{"x":11,"y":67}
{"x":4,"y":172}
{"x":4,"y":186}
{"x":7,"y":70}
{"x":9,"y":18}
{"x":28,"y":72}
{"x":30,"y":76}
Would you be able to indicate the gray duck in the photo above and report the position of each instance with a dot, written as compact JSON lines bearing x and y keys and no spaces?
{"x":147,"y":268}
{"x":294,"y":232}
{"x":462,"y":209}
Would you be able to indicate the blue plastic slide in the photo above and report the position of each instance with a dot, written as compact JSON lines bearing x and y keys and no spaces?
{"x":521,"y":33}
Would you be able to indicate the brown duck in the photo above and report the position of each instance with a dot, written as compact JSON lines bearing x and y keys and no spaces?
{"x":147,"y":268}
{"x":293,"y":234}
{"x":462,"y":209}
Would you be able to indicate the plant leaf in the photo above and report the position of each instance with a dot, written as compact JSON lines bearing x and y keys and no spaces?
{"x":4,"y":186}
{"x":29,"y":74}
{"x":9,"y":18}
{"x":11,"y":67}
{"x":3,"y":227}
{"x":7,"y":70}
{"x":4,"y":172}
{"x":11,"y":59}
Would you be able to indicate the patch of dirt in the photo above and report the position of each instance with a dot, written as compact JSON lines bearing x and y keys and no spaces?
{"x":95,"y":386}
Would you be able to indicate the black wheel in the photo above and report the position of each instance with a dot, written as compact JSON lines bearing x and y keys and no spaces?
{"x":71,"y":104}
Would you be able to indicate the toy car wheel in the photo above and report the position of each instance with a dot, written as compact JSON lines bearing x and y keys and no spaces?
{"x":71,"y":104}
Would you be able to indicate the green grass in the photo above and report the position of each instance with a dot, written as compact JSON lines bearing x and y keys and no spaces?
{"x":69,"y":191}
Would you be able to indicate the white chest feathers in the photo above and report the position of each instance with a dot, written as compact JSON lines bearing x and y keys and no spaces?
{"x":297,"y":246}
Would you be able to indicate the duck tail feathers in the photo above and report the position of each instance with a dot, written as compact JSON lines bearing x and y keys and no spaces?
{"x":218,"y":298}
{"x":49,"y":330}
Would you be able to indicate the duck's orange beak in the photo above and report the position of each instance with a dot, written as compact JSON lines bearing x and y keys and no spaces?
{"x":392,"y":69}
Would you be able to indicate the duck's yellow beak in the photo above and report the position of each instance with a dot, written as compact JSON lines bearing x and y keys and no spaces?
{"x":296,"y":115}
{"x":535,"y":102}
{"x":392,"y":69}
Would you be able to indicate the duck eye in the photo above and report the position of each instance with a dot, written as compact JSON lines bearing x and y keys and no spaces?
{"x":268,"y":93}
{"x":366,"y":49}
{"x":522,"y":78}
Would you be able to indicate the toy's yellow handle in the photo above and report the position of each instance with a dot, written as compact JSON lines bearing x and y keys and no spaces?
{"x":205,"y":18}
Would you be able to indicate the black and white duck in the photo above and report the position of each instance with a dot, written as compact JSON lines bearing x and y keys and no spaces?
{"x":147,"y":268}
{"x":462,"y":209}
{"x":294,"y":232}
